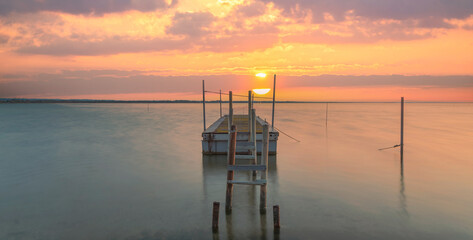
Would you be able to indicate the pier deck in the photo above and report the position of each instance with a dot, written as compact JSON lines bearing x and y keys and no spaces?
{"x":215,"y":138}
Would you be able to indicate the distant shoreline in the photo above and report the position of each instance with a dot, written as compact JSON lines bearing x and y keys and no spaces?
{"x":25,"y":100}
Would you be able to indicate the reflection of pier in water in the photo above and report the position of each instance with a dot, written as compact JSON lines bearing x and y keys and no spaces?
{"x":246,"y":201}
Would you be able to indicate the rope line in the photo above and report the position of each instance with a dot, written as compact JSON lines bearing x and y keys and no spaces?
{"x":286,"y":134}
{"x":237,"y":95}
{"x":395,"y":146}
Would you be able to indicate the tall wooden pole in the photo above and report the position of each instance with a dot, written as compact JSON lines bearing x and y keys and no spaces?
{"x":203,"y":102}
{"x":402,"y":129}
{"x":274,"y":99}
{"x":230,"y":110}
{"x":220,"y":102}
{"x":249,"y":116}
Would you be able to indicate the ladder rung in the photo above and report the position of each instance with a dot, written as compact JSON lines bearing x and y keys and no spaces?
{"x":257,"y":182}
{"x":246,"y":167}
{"x":245,"y":157}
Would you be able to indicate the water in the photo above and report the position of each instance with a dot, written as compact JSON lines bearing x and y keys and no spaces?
{"x":117,"y":171}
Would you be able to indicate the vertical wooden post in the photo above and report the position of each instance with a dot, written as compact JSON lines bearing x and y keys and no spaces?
{"x":203,"y":102}
{"x":231,"y":161}
{"x":253,"y":137}
{"x":215,"y":211}
{"x":402,"y":129}
{"x":264,"y":161}
{"x":274,"y":99}
{"x":230,"y":110}
{"x":276,"y":217}
{"x":220,"y":102}
{"x":249,"y":117}
{"x":326,"y":115}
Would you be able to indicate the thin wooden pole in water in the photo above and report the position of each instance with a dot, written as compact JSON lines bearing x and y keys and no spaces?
{"x":264,"y":161}
{"x":326,"y":115}
{"x":231,"y":161}
{"x":277,"y":225}
{"x":215,"y":211}
{"x":274,"y":99}
{"x":402,"y":129}
{"x":230,"y":109}
{"x":220,"y":102}
{"x":203,"y":102}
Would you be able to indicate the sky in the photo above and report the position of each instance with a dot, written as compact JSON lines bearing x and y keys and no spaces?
{"x":333,"y":50}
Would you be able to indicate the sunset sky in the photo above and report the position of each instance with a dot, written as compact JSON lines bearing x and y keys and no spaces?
{"x":334,"y":50}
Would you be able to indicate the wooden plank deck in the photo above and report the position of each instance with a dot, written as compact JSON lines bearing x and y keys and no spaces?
{"x":241,"y":122}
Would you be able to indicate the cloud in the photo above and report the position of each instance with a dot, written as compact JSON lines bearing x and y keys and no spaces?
{"x":108,"y":46}
{"x":378,"y":9}
{"x":96,"y":7}
{"x":103,"y":82}
{"x":191,"y":24}
{"x":4,"y":38}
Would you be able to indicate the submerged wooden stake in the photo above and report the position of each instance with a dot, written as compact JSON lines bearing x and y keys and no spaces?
{"x":276,"y":217}
{"x":215,"y":211}
{"x":402,"y":129}
{"x":231,"y":161}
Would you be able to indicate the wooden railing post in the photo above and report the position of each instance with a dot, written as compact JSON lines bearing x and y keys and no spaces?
{"x":230,"y":110}
{"x":253,"y":137}
{"x":231,"y":161}
{"x":264,"y":161}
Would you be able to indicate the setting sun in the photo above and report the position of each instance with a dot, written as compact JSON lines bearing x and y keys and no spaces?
{"x":261,"y":75}
{"x":261,"y":91}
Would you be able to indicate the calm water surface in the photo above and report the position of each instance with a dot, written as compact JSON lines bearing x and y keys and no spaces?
{"x":117,"y":171}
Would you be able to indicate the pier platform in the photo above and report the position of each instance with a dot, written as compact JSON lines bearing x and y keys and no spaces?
{"x":215,"y":137}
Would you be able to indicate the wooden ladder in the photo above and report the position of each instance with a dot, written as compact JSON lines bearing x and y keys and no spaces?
{"x":262,"y":167}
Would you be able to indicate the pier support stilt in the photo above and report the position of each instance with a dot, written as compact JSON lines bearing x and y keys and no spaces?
{"x":264,"y":161}
{"x":231,"y":161}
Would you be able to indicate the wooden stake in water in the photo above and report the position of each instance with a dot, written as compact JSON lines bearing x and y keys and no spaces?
{"x":402,"y":129}
{"x":203,"y":102}
{"x":277,"y":225}
{"x":215,"y":211}
{"x":326,"y":115}
{"x":231,"y":161}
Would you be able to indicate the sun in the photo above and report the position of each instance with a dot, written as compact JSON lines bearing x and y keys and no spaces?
{"x":261,"y":75}
{"x":261,"y":91}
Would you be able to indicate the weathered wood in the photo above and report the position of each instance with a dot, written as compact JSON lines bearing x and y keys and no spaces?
{"x":220,"y":102}
{"x":231,"y":161}
{"x":215,"y":212}
{"x":249,"y":116}
{"x":274,"y":100}
{"x":246,"y":167}
{"x":203,"y":102}
{"x":230,"y":110}
{"x":264,"y":160}
{"x":255,"y":182}
{"x":402,"y":129}
{"x":277,"y":225}
{"x":253,"y":137}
